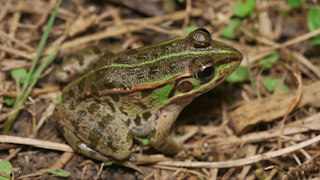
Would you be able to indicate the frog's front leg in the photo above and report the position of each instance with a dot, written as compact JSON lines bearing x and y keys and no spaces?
{"x":91,"y":128}
{"x":160,"y":137}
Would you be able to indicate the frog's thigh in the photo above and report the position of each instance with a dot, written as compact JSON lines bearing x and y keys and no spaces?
{"x":80,"y":63}
{"x":90,"y":126}
{"x":160,"y":138}
{"x":80,"y":147}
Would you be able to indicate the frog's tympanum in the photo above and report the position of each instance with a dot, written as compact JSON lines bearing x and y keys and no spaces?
{"x":139,"y":93}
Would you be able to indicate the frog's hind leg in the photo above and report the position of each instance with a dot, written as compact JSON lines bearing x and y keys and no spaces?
{"x":79,"y":63}
{"x":91,"y":128}
{"x":82,"y":148}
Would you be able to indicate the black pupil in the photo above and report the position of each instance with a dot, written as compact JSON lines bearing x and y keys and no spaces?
{"x":207,"y":72}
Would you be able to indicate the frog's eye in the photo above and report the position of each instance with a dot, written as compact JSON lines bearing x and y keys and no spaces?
{"x":204,"y":68}
{"x":205,"y":31}
{"x":199,"y":38}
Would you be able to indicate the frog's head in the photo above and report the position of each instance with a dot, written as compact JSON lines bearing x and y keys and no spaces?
{"x":213,"y":63}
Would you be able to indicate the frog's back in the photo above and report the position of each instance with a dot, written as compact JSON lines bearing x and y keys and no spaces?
{"x":132,"y":70}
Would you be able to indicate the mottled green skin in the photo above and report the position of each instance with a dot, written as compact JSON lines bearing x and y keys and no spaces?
{"x":140,"y":93}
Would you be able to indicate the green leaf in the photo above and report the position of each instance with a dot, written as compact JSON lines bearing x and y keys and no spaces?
{"x":285,"y":89}
{"x":59,"y":98}
{"x":271,"y":84}
{"x":272,"y":58}
{"x":108,"y":163}
{"x":58,"y":172}
{"x":315,"y":41}
{"x":228,"y":32}
{"x":189,"y":29}
{"x":295,"y":3}
{"x":145,"y":141}
{"x":239,"y":75}
{"x":244,"y":9}
{"x":20,"y":74}
{"x":314,"y":24}
{"x":5,"y":167}
{"x":9,"y":100}
{"x":181,"y":1}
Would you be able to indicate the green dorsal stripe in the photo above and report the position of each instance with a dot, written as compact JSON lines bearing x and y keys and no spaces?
{"x":153,"y":61}
{"x":167,"y":56}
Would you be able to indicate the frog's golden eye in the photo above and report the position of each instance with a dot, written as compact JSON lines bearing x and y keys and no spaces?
{"x":204,"y":68}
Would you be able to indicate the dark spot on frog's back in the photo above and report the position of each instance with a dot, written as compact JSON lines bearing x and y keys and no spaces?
{"x":122,"y":111}
{"x":71,"y":93}
{"x":80,"y":59}
{"x":146,"y":115}
{"x":94,"y":90}
{"x":137,"y":120}
{"x":81,"y":85}
{"x":133,"y":71}
{"x":146,"y":93}
{"x":68,"y":72}
{"x":107,"y":119}
{"x":115,"y":97}
{"x":99,"y":74}
{"x":131,"y":52}
{"x":120,"y":60}
{"x":111,"y":146}
{"x":95,"y":136}
{"x":111,"y":106}
{"x":107,"y":56}
{"x":141,"y":105}
{"x":128,"y":122}
{"x":154,"y":68}
{"x":81,"y":114}
{"x":101,"y":125}
{"x":109,"y":84}
{"x":94,"y":107}
{"x":141,"y":58}
{"x":96,"y":50}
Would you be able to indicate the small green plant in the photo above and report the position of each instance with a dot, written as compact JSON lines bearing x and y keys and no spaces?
{"x":188,"y":30}
{"x":32,"y":75}
{"x":19,"y":75}
{"x":5,"y":168}
{"x":314,"y":24}
{"x":295,"y":3}
{"x":244,"y":9}
{"x":145,"y":141}
{"x":229,"y":31}
{"x":239,"y":75}
{"x":108,"y":163}
{"x":269,"y":60}
{"x":271,"y":84}
{"x":9,"y":100}
{"x":57,"y":172}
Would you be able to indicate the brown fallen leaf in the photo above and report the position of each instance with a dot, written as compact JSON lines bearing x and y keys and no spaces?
{"x":270,"y":108}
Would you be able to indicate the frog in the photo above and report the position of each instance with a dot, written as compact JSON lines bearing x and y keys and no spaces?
{"x":139,"y":93}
